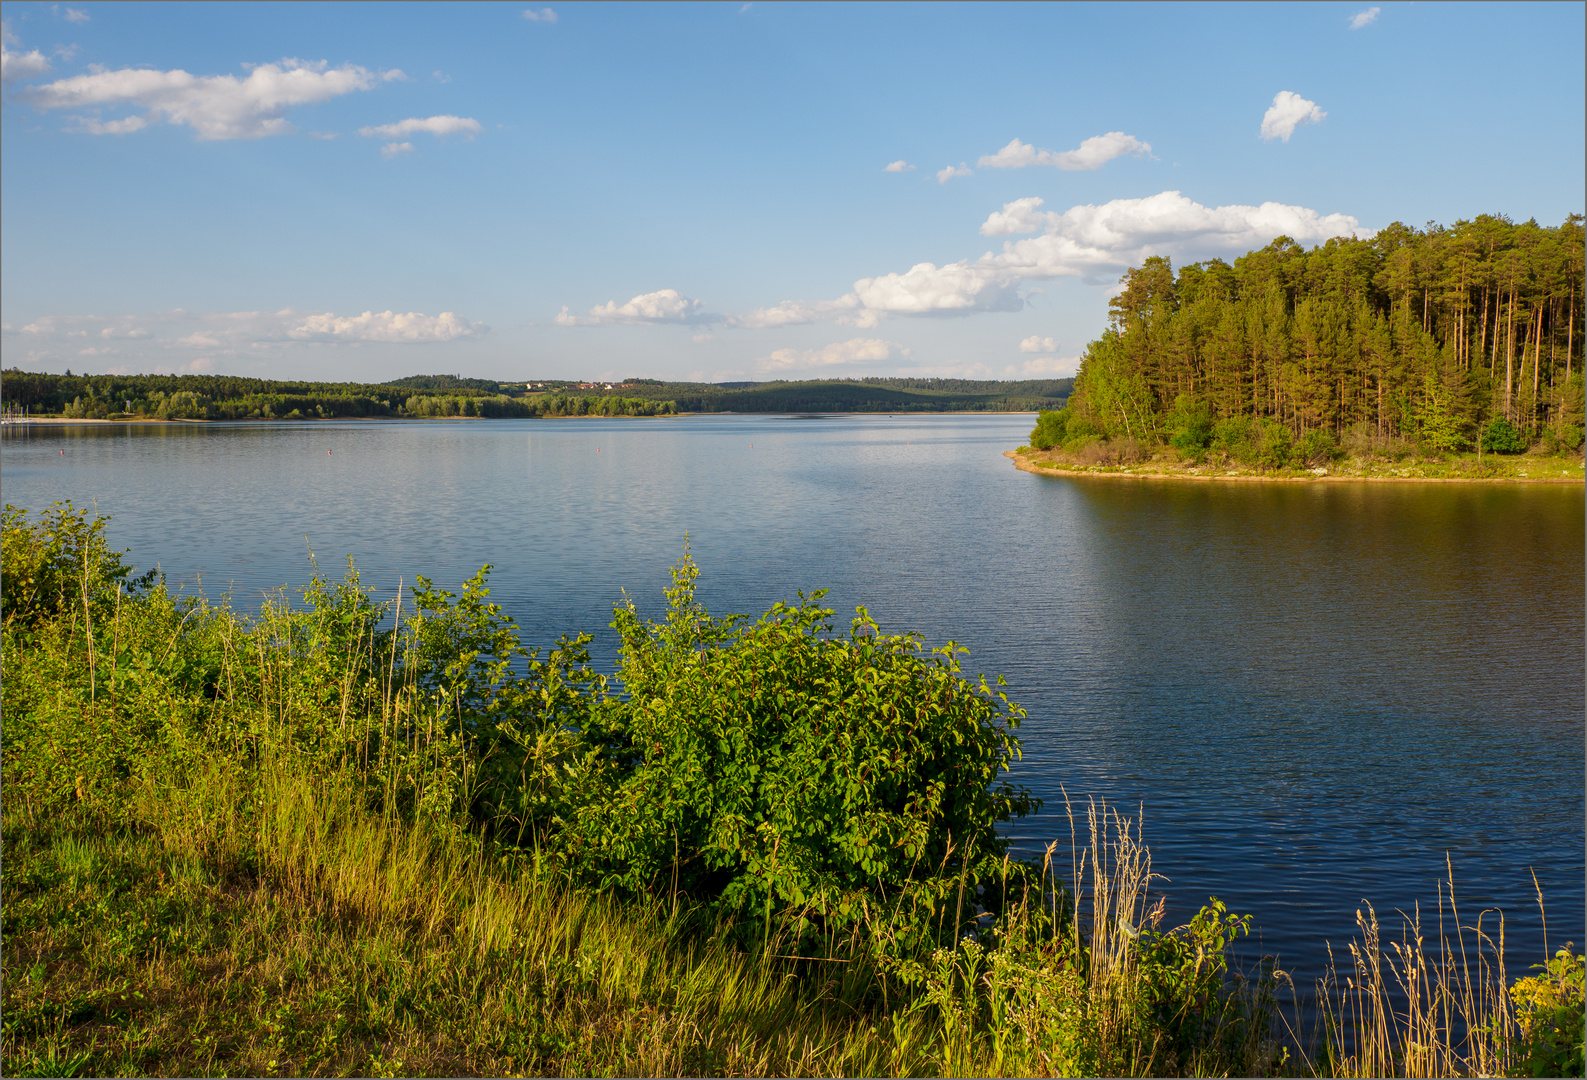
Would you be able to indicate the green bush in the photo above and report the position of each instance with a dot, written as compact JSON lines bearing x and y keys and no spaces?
{"x":61,"y":563}
{"x":1050,"y":429}
{"x":1232,"y":435}
{"x":1272,"y":444}
{"x":1499,"y":436}
{"x":1317,"y":447}
{"x":1189,"y":424}
{"x":777,"y":770}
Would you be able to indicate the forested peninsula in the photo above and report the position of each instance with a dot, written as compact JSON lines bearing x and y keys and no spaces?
{"x":224,"y":397}
{"x":1436,"y":352}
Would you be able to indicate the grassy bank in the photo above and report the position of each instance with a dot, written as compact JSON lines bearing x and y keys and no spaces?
{"x":1101,"y":458}
{"x":340,"y":837}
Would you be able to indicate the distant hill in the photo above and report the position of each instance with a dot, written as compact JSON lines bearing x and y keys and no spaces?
{"x":860,"y":395}
{"x":227,"y":397}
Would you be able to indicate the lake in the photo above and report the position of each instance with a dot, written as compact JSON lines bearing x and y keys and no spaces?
{"x":1314,"y":692}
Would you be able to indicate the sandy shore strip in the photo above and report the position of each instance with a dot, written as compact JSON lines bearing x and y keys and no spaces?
{"x":1026,"y":462}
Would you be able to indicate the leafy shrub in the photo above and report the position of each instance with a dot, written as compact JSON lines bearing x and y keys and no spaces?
{"x":774,"y":767}
{"x":1232,"y":435}
{"x":1050,"y":429}
{"x":1271,"y":444}
{"x":1550,"y":1011}
{"x":1317,"y":447}
{"x":1080,"y":433}
{"x":1499,"y":436}
{"x":59,"y":563}
{"x":1190,"y":424}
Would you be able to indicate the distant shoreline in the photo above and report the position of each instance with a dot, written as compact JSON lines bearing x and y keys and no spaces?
{"x":63,"y":421}
{"x":1026,"y":461}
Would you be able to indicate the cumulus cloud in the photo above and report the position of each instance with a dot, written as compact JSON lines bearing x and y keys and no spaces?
{"x":176,"y":334}
{"x":1364,"y":18}
{"x":899,"y":166}
{"x":1088,"y":241}
{"x":389,"y":327}
{"x":19,"y":65}
{"x":1037,"y":343}
{"x":73,"y":15}
{"x":949,"y":172}
{"x":1093,"y":153}
{"x":846,"y":310}
{"x":1288,"y":111}
{"x":1019,"y":216}
{"x":853,"y":351}
{"x":545,"y":15}
{"x":927,"y":289}
{"x":434,"y":125}
{"x":392,"y":149}
{"x":214,"y":106}
{"x":655,"y":308}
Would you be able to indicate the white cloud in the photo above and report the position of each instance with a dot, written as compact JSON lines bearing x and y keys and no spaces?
{"x":662,"y":306}
{"x":1091,"y":242}
{"x":846,"y":310}
{"x":434,"y":125}
{"x":74,"y":16}
{"x":545,"y":15}
{"x":1036,"y":343}
{"x":1364,"y":18}
{"x":948,"y":173}
{"x":1019,"y":216}
{"x":408,"y":328}
{"x":229,"y":332}
{"x":927,"y":289}
{"x":1093,"y":153}
{"x":853,"y":351}
{"x":19,"y":65}
{"x":1288,"y":111}
{"x":214,"y":106}
{"x":392,"y":149}
{"x":899,"y":166}
{"x":125,"y":126}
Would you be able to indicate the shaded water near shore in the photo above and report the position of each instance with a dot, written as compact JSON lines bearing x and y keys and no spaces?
{"x":1316,"y":692}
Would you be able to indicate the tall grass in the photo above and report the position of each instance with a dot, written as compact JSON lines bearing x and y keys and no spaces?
{"x":1438,"y":1001}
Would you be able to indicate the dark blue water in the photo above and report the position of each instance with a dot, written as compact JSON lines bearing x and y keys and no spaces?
{"x":1316,"y":692}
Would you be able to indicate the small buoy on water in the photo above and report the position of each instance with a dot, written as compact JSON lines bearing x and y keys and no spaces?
{"x":63,"y":451}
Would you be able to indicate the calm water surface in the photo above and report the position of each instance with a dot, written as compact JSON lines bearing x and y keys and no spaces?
{"x":1316,"y":692}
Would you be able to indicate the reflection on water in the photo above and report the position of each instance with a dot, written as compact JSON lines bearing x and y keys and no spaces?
{"x":1315,"y":691}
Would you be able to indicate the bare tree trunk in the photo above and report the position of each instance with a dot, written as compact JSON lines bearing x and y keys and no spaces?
{"x":1509,"y":357}
{"x":1570,"y":333}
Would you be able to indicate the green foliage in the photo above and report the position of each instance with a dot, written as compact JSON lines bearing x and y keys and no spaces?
{"x":1317,"y":447}
{"x":1396,"y":333}
{"x":1551,"y":1010}
{"x":1189,"y":424}
{"x":1499,"y":436}
{"x":430,"y":849}
{"x":60,"y":564}
{"x":1050,"y":430}
{"x":781,"y":771}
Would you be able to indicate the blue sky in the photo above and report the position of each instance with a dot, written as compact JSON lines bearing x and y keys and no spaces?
{"x":701,"y":191}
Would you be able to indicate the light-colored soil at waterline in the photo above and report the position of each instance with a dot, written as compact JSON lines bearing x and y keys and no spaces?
{"x":1522,"y":469}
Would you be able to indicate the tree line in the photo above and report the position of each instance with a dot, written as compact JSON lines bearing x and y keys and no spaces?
{"x":874,"y":394}
{"x":1445,"y":336}
{"x":224,"y":397}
